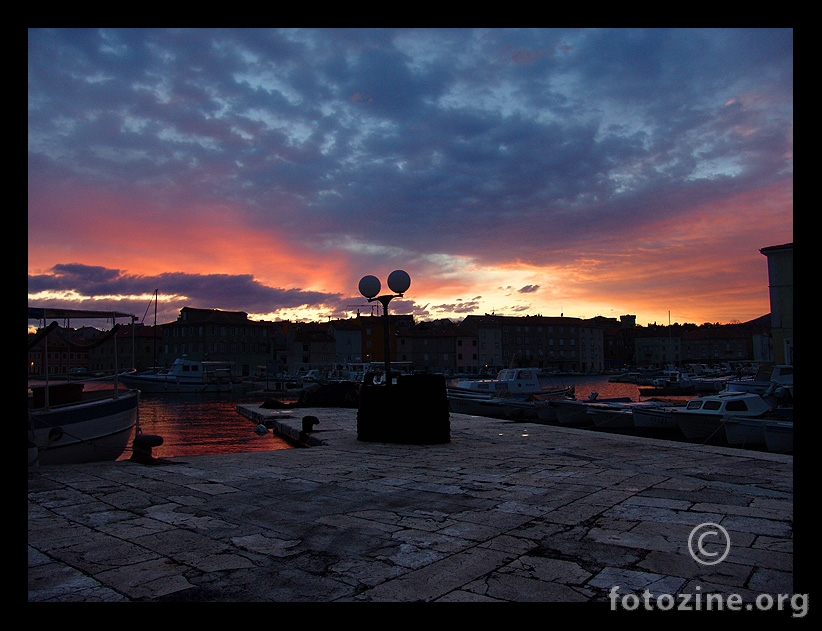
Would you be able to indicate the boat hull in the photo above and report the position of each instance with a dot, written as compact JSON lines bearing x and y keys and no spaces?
{"x":150,"y":385}
{"x":700,"y":426}
{"x":745,"y":431}
{"x":779,"y":436}
{"x":611,"y":419}
{"x":546,"y":413}
{"x":85,"y":431}
{"x":466,"y":405}
{"x":571,"y":413}
{"x":661,"y":418}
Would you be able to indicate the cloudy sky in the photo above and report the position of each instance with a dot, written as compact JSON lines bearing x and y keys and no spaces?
{"x":577,"y":171}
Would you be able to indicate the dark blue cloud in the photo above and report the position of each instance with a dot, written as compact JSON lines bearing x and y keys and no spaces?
{"x":419,"y":139}
{"x":204,"y":291}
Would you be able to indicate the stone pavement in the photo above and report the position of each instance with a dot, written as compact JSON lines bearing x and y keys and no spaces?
{"x":505,"y":512}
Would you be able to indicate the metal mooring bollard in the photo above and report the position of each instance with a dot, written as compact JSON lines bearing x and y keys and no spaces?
{"x":141,"y":448}
{"x":308,"y":426}
{"x":309,"y":422}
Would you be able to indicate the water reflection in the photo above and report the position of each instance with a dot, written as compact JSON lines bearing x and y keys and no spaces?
{"x":197,"y":424}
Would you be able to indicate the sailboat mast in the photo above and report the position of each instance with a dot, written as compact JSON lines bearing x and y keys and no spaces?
{"x":154,"y":331}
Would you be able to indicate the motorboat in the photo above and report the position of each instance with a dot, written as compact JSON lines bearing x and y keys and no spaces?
{"x":671,"y":383}
{"x":769,"y":379}
{"x":512,"y":394}
{"x":71,"y":421}
{"x":502,"y":404}
{"x":184,"y":375}
{"x":509,"y":381}
{"x":702,"y":418}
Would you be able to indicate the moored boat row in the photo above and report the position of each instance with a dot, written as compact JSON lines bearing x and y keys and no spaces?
{"x":724,"y":417}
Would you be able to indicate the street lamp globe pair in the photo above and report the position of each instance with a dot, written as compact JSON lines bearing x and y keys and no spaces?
{"x":398,"y":282}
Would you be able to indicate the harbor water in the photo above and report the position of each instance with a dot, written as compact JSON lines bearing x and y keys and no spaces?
{"x":584,"y":385}
{"x":208,"y":424}
{"x":201,"y":424}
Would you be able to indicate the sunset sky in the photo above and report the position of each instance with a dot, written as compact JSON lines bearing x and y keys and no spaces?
{"x":581,"y":172}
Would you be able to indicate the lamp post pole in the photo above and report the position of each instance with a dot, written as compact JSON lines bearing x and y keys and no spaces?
{"x":398,"y":282}
{"x":387,"y":337}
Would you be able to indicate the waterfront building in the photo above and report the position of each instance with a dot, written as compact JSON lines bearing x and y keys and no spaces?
{"x":780,"y":293}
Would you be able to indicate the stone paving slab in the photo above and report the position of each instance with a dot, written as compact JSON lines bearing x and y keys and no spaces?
{"x":504,"y":512}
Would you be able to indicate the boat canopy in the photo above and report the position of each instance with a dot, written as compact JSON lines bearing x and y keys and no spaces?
{"x":41,"y":313}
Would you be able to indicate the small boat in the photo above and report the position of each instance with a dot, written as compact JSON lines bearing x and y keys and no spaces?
{"x":546,"y":412}
{"x":710,"y":384}
{"x":500,"y":405}
{"x":779,"y":436}
{"x":509,"y":381}
{"x":702,"y":418}
{"x":512,"y":394}
{"x":575,"y":411}
{"x":71,"y":422}
{"x":606,"y":416}
{"x":670,"y":383}
{"x":184,"y":375}
{"x":767,"y":380}
{"x":619,"y":415}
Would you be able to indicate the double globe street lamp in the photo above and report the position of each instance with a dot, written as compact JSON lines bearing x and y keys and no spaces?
{"x":398,"y":282}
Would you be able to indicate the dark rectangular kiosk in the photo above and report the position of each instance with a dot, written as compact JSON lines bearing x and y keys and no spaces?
{"x":413,"y":411}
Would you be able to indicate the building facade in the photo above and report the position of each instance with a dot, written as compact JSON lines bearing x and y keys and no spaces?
{"x":780,"y":293}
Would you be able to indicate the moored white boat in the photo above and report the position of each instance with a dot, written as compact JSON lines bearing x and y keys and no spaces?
{"x":500,"y":405}
{"x":702,"y":418}
{"x":767,"y":380}
{"x":672,"y":382}
{"x":513,"y":394}
{"x":184,"y":375}
{"x":509,"y":381}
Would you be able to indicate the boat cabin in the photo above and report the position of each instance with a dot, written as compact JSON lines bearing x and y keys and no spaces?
{"x":512,"y":380}
{"x":745,"y":403}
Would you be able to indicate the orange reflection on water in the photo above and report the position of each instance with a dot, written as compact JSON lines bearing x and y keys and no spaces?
{"x":198,"y":425}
